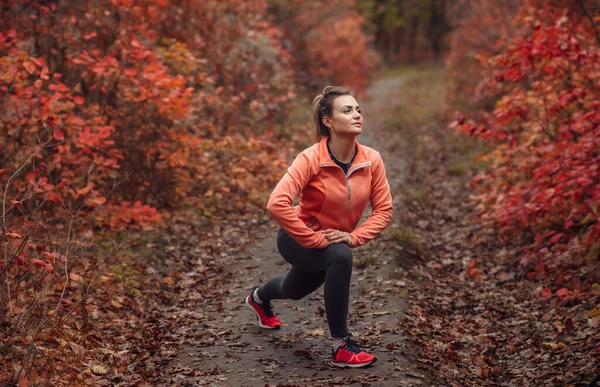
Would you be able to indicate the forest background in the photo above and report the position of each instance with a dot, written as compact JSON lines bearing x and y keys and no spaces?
{"x":121,"y":119}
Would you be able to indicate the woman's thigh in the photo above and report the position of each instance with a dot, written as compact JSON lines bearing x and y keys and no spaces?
{"x":307,"y":259}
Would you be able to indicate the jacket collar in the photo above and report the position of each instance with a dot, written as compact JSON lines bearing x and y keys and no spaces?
{"x":325,"y":159}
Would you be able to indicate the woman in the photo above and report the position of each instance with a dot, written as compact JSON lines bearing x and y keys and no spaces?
{"x":336,"y":178}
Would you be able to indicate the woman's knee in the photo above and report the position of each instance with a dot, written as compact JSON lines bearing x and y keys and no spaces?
{"x":341,"y":256}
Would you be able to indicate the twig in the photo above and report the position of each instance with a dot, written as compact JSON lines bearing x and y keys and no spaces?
{"x":589,"y":16}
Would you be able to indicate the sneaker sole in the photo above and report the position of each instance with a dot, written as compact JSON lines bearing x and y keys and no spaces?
{"x":347,"y":365}
{"x":247,"y":302}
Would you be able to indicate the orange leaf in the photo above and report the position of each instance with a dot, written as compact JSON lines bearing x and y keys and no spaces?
{"x":95,"y":201}
{"x":13,"y":235}
{"x":23,"y":381}
{"x":84,"y":190}
{"x":75,"y":277}
{"x":30,"y":67}
{"x":562,"y":292}
{"x":44,"y":74}
{"x":169,"y":281}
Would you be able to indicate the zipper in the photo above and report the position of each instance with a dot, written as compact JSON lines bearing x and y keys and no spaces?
{"x":346,"y":177}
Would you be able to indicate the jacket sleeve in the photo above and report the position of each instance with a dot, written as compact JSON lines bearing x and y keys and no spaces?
{"x":281,"y":201}
{"x":381,"y":203}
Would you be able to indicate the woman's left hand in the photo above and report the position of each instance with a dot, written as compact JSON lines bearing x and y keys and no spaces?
{"x":336,"y":236}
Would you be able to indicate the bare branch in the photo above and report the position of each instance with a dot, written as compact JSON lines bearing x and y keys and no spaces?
{"x":589,"y":16}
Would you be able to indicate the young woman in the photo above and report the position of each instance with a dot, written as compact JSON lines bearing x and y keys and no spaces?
{"x":336,"y":179}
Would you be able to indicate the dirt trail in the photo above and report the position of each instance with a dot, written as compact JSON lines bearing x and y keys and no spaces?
{"x":223,"y":346}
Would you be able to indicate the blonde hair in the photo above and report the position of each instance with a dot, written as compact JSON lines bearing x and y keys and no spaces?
{"x":323,"y":107}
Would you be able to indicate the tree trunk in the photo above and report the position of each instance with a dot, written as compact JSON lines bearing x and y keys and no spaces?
{"x":438,"y":26}
{"x":413,"y":28}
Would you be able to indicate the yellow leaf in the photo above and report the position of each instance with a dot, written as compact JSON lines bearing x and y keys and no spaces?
{"x":317,"y":332}
{"x":116,"y":304}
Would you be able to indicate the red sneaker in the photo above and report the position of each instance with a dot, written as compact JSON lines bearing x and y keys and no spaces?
{"x":266,"y":318}
{"x":348,"y":354}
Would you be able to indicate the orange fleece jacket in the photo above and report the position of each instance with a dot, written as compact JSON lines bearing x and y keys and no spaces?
{"x":331,"y":199}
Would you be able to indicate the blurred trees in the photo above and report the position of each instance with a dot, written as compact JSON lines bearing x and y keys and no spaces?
{"x":326,"y":40}
{"x":404,"y":28}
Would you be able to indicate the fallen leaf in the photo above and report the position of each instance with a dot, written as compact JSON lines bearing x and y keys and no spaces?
{"x":317,"y":332}
{"x":99,"y":369}
{"x":594,"y":312}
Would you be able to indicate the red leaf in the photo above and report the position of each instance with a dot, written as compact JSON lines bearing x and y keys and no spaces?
{"x":78,"y":100}
{"x":130,"y":72}
{"x":40,"y":263}
{"x":556,"y":238}
{"x":58,"y":134}
{"x":584,"y":181}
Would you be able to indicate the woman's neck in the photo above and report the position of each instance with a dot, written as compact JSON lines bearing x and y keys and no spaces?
{"x":342,"y":147}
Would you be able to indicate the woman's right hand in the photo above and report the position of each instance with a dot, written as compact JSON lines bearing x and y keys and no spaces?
{"x":335,"y":236}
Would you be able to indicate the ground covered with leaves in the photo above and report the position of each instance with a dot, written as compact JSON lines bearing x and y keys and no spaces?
{"x":436,"y":297}
{"x":212,"y":338}
{"x":477,"y":317}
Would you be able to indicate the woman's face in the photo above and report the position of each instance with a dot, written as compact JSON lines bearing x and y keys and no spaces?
{"x":346,"y":118}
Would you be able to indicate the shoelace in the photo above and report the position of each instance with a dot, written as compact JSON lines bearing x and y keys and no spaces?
{"x":268,"y":308}
{"x":352,"y":346}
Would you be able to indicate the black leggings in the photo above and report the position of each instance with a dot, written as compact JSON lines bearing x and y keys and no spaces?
{"x":310,"y":269}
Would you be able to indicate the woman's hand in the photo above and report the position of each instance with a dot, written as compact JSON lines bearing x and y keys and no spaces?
{"x":335,"y":236}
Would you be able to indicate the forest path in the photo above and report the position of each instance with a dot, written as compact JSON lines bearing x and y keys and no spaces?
{"x":220,"y":345}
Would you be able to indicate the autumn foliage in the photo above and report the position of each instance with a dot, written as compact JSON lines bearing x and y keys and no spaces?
{"x":327,"y":41}
{"x":115,"y":114}
{"x":539,"y":109}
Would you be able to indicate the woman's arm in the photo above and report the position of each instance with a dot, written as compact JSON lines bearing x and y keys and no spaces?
{"x":281,"y":201}
{"x":381,"y":203}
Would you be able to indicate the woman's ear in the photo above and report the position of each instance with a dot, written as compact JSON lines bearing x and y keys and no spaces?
{"x":326,"y":121}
